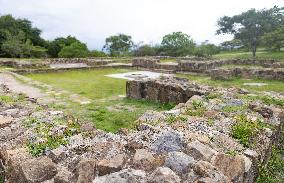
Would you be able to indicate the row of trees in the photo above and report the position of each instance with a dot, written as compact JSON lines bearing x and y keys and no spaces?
{"x":173,"y":44}
{"x":251,"y":29}
{"x":19,"y":39}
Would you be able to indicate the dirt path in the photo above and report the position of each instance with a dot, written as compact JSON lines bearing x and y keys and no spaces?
{"x":45,"y":94}
{"x":18,"y":87}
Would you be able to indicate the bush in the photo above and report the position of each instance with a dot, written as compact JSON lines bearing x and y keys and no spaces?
{"x":75,"y":50}
{"x":206,"y":50}
{"x":96,"y":53}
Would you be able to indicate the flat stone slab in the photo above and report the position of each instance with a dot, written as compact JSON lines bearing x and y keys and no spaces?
{"x":63,"y":66}
{"x":255,"y":84}
{"x":138,"y":75}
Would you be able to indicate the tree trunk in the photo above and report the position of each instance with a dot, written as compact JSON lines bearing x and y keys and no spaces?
{"x":253,"y":52}
{"x":253,"y":45}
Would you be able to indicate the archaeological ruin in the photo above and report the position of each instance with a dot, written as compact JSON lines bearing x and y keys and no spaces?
{"x":200,"y":139}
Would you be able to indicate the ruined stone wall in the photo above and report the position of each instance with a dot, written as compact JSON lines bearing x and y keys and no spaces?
{"x":165,"y":90}
{"x":88,"y":61}
{"x":22,"y":64}
{"x":149,"y":63}
{"x":274,"y":74}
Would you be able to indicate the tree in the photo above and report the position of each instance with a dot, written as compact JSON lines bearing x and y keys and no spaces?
{"x":75,"y":50}
{"x":13,"y":45}
{"x":16,"y":46}
{"x":29,"y":50}
{"x":14,"y":33}
{"x":177,"y":44}
{"x":274,"y":39}
{"x":8,"y":24}
{"x":55,"y":46}
{"x":146,"y":50}
{"x":251,"y":25}
{"x":118,"y":45}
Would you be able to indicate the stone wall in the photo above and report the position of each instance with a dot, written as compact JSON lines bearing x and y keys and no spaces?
{"x":224,"y":74}
{"x":22,"y":64}
{"x":145,"y":62}
{"x":199,"y":65}
{"x":164,"y":90}
{"x":88,"y":61}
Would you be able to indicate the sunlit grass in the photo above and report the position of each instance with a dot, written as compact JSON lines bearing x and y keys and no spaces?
{"x":272,"y":85}
{"x":248,"y":55}
{"x":104,"y":92}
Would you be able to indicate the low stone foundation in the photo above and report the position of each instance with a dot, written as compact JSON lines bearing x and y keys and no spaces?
{"x":225,"y":74}
{"x":164,"y":90}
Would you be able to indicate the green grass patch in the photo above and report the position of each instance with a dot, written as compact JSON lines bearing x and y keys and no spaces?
{"x":265,"y":99}
{"x":248,"y":55}
{"x":104,"y":94}
{"x":273,"y":172}
{"x":50,"y":141}
{"x":168,"y":60}
{"x":91,"y":83}
{"x":272,"y":85}
{"x":114,"y":120}
{"x":12,"y":99}
{"x":196,"y":109}
{"x":232,"y":66}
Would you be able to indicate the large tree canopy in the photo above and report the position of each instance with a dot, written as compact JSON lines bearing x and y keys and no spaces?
{"x":251,"y":25}
{"x":20,"y":35}
{"x":118,"y":45}
{"x":177,"y":44}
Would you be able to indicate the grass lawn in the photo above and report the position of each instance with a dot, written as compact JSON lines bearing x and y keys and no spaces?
{"x":168,"y":60}
{"x":92,"y":84}
{"x":248,"y":55}
{"x":231,"y":66}
{"x":277,"y":86}
{"x":107,"y":110}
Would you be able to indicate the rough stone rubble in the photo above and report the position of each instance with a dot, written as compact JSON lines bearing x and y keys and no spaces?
{"x":190,"y":143}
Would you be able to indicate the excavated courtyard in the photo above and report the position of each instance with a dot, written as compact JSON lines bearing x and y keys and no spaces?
{"x":103,"y":121}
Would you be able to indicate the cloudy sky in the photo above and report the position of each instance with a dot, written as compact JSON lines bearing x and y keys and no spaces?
{"x":92,"y":21}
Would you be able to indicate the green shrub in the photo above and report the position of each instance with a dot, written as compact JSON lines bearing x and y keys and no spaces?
{"x":75,"y":50}
{"x":244,"y":129}
{"x":197,"y":109}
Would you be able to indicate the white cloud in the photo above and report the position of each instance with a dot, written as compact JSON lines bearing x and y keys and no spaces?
{"x":145,"y":20}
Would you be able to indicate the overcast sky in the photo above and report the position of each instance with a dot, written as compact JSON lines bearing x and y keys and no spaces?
{"x":92,"y":21}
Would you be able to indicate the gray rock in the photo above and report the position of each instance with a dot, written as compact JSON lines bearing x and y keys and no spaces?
{"x":179,"y":162}
{"x":114,"y":164}
{"x":38,"y":170}
{"x":167,"y":142}
{"x":207,"y":170}
{"x":58,"y":154}
{"x":231,"y":166}
{"x":163,"y":175}
{"x":123,"y":176}
{"x":64,"y":176}
{"x":143,"y":159}
{"x":200,"y":151}
{"x":85,"y":171}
